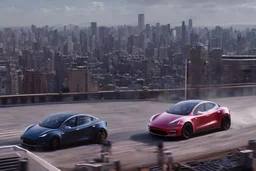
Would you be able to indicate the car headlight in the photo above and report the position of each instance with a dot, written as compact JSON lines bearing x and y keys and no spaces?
{"x":25,"y":130}
{"x":174,"y":123}
{"x":44,"y":135}
{"x":150,"y":120}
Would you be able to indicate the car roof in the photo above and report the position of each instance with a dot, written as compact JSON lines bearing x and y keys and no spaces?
{"x":68,"y":114}
{"x":191,"y":101}
{"x":195,"y":101}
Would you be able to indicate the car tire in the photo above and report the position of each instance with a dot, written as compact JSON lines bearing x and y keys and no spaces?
{"x":225,"y":123}
{"x":101,"y":135}
{"x":187,"y":131}
{"x":54,"y":143}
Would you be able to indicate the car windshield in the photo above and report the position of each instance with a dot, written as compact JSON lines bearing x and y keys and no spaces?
{"x":53,"y":122}
{"x":182,"y":108}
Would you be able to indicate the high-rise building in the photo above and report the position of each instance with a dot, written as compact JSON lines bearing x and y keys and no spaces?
{"x":34,"y":82}
{"x":79,"y":80}
{"x":198,"y":67}
{"x":3,"y":80}
{"x":183,"y":36}
{"x":94,"y":29}
{"x":70,"y":44}
{"x":61,"y":71}
{"x":83,"y":41}
{"x":102,"y":37}
{"x":16,"y":79}
{"x":190,"y":24}
{"x":216,"y":63}
{"x":141,"y":22}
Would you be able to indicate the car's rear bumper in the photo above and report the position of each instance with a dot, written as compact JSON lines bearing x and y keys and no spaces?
{"x":165,"y":132}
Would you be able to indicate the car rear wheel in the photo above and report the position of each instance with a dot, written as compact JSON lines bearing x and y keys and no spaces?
{"x":102,"y":135}
{"x":225,"y":123}
{"x":187,"y":131}
{"x":54,"y":143}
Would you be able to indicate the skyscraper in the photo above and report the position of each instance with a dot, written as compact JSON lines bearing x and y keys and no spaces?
{"x":183,"y":27}
{"x":190,"y":24}
{"x":94,"y":29}
{"x":141,"y":22}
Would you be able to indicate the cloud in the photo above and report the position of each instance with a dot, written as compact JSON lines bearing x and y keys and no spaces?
{"x":98,"y":4}
{"x":148,"y":2}
{"x":113,"y":12}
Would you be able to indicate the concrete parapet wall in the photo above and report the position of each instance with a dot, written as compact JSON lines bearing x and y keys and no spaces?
{"x":34,"y":163}
{"x":159,"y":94}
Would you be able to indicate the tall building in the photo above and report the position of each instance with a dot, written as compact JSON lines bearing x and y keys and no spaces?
{"x":34,"y":82}
{"x":79,"y":80}
{"x":5,"y":78}
{"x":61,"y":71}
{"x":83,"y":41}
{"x":183,"y":32}
{"x":215,"y":61}
{"x":70,"y":45}
{"x":94,"y":29}
{"x":198,"y":67}
{"x":141,"y":22}
{"x":190,"y":24}
{"x":102,"y":37}
{"x":16,"y":79}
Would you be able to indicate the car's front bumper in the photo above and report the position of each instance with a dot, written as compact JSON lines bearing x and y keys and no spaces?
{"x":28,"y":142}
{"x":32,"y":146}
{"x":165,"y":132}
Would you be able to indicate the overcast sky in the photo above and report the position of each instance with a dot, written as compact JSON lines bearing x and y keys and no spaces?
{"x":115,"y":12}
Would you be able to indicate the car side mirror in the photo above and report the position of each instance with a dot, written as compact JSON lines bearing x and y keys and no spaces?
{"x":66,"y":127}
{"x":199,"y":113}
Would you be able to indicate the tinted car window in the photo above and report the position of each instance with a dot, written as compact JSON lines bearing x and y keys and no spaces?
{"x":182,"y":108}
{"x":53,"y":122}
{"x":71,"y":122}
{"x":84,"y":120}
{"x":200,"y":108}
{"x":209,"y":106}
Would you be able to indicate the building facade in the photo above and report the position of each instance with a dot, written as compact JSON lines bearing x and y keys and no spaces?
{"x":214,"y":68}
{"x":79,"y":80}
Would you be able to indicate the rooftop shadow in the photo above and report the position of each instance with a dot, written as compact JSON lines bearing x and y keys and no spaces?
{"x":63,"y":147}
{"x":153,"y":140}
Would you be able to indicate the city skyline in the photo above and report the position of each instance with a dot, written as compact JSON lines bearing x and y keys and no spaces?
{"x":120,"y":12}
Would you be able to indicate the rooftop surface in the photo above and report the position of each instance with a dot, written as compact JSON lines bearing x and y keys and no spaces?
{"x":128,"y":131}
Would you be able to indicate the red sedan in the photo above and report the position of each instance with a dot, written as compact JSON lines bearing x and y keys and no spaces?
{"x":189,"y":117}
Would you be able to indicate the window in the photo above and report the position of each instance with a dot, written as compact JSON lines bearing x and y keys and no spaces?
{"x":71,"y":122}
{"x":200,"y":108}
{"x":84,"y":120}
{"x":209,"y":106}
{"x":53,"y":122}
{"x":182,"y":108}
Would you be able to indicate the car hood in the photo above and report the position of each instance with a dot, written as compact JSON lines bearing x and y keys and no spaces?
{"x":165,"y":118}
{"x":37,"y":130}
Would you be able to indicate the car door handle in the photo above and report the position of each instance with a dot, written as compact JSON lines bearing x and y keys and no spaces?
{"x":93,"y":126}
{"x":77,"y":129}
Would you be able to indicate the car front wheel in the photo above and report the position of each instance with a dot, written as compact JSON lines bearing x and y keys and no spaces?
{"x":187,"y":131}
{"x":54,"y":143}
